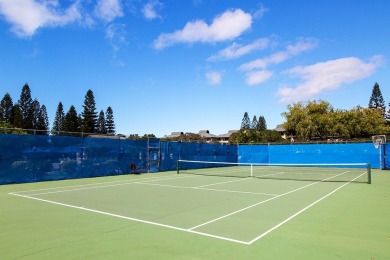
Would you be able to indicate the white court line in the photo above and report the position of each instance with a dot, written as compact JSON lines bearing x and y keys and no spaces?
{"x":261,"y":202}
{"x":98,"y":183}
{"x":302,"y":210}
{"x":191,"y":230}
{"x":199,"y":188}
{"x":94,"y":187}
{"x":134,"y":219}
{"x":221,"y":183}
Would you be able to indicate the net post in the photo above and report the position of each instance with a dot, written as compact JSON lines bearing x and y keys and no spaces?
{"x":368,"y":173}
{"x":177,"y":166}
{"x":251,"y":170}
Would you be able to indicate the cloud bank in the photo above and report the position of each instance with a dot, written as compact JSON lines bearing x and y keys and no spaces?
{"x":327,"y":76}
{"x":226,"y":26}
{"x":27,"y":16}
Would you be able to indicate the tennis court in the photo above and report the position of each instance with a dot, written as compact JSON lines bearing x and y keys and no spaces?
{"x":242,"y":214}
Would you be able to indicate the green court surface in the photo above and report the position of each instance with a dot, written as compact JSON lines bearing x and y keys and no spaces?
{"x":184,"y":216}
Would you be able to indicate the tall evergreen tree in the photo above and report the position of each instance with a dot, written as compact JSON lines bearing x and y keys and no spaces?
{"x":101,"y":123}
{"x":376,"y":99}
{"x":6,"y":108}
{"x":71,"y":121}
{"x":246,"y":122}
{"x":58,"y":120}
{"x":42,"y":123}
{"x":26,"y":110}
{"x":254,"y":123}
{"x":16,"y":119}
{"x":110,"y":125}
{"x":89,"y":115}
{"x":36,"y":109}
{"x":262,"y":124}
{"x":388,"y":115}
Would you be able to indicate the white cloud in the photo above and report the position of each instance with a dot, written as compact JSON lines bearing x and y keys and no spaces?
{"x":27,"y":16}
{"x":327,"y":76}
{"x":214,"y":77}
{"x":260,"y":12}
{"x":116,"y":35}
{"x":237,"y":50}
{"x":108,"y":10}
{"x":226,"y":26}
{"x":292,"y":50}
{"x":150,"y":9}
{"x":257,"y":77}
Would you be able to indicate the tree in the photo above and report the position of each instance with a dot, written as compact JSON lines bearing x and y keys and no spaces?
{"x":110,"y":125}
{"x":387,"y":116}
{"x":36,"y":109}
{"x":101,"y":123}
{"x":262,"y":125}
{"x":26,"y":110}
{"x":71,"y":122}
{"x":246,"y":122}
{"x":376,"y":99}
{"x":253,"y":136}
{"x":255,"y":123}
{"x":16,"y":119}
{"x":89,"y":115}
{"x":58,"y":120}
{"x":318,"y":119}
{"x":6,"y":106}
{"x":42,"y":123}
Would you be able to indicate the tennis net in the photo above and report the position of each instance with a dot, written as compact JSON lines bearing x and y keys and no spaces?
{"x":341,"y":172}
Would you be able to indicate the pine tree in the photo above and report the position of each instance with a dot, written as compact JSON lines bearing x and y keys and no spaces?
{"x":262,"y":124}
{"x":26,"y":110}
{"x":42,"y":123}
{"x":388,"y":115}
{"x":16,"y":119}
{"x":110,"y":125}
{"x":36,"y":108}
{"x":101,"y":123}
{"x":254,"y":123}
{"x":246,"y":122}
{"x":376,"y":99}
{"x":89,"y":115}
{"x":58,"y":120}
{"x":71,"y":122}
{"x":6,"y":108}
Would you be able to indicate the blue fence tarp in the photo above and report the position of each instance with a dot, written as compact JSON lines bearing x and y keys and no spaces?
{"x":30,"y":158}
{"x":310,"y":153}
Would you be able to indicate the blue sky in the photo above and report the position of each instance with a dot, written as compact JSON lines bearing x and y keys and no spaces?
{"x":177,"y":65}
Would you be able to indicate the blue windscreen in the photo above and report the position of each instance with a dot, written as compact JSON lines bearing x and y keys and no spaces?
{"x":310,"y":153}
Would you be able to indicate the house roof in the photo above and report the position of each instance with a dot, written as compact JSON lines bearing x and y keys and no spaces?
{"x":230,"y":132}
{"x":206,"y":133}
{"x":280,"y":128}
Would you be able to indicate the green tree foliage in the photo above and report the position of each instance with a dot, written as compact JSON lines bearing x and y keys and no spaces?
{"x":262,"y":125}
{"x":376,"y":99}
{"x":16,"y":119}
{"x":101,"y":123}
{"x":89,"y":115}
{"x":254,"y":123}
{"x":7,"y":128}
{"x":6,"y":107}
{"x":40,"y":120}
{"x":246,"y":122}
{"x":58,"y":119}
{"x":253,"y":136}
{"x":71,"y":124}
{"x":42,"y":123}
{"x":26,"y":108}
{"x":318,"y":119}
{"x":110,"y":124}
